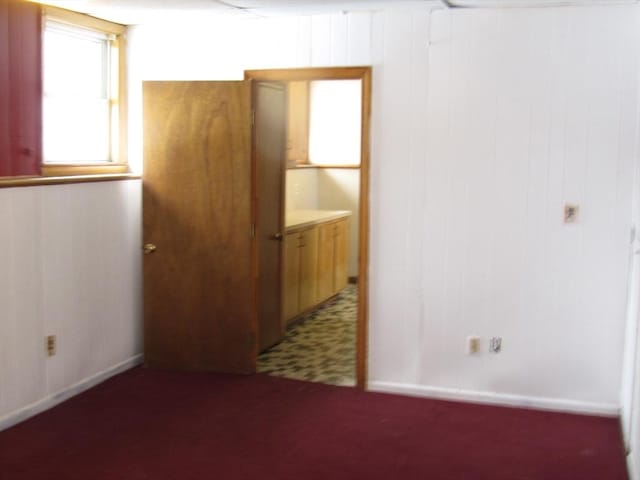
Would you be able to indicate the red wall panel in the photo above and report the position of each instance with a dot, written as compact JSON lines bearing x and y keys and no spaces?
{"x":5,"y":124}
{"x":20,"y":88}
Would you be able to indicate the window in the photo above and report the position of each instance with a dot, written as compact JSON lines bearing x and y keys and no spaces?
{"x":335,"y":117}
{"x":83,"y":95}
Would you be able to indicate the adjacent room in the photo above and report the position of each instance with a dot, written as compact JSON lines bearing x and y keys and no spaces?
{"x":319,"y":239}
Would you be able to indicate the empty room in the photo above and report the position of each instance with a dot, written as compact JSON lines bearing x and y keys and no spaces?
{"x":320,"y":239}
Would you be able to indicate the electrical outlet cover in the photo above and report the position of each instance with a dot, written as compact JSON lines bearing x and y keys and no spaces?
{"x":473,"y":344}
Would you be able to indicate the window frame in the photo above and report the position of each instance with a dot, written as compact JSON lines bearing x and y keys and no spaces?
{"x":119,"y":164}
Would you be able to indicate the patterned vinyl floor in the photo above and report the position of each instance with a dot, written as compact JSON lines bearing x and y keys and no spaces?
{"x":320,"y":347}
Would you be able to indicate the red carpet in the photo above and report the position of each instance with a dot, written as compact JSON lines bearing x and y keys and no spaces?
{"x":149,"y":424}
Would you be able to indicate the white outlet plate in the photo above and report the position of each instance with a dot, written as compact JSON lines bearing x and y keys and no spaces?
{"x":473,"y":345}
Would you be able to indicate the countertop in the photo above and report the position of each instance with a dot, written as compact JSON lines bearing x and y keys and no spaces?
{"x":295,"y":219}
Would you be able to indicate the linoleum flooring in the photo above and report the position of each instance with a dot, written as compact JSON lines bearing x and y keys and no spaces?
{"x":320,"y":347}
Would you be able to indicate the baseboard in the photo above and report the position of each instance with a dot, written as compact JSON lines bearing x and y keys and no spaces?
{"x":500,"y":399}
{"x":59,"y":397}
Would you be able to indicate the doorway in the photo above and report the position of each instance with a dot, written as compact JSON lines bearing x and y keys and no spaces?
{"x":358,"y":290}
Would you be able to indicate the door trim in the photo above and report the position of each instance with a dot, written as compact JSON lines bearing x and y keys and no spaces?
{"x":362,"y":73}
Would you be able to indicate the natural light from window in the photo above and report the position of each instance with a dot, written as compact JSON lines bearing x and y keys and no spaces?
{"x":77,"y":70}
{"x":335,"y":122}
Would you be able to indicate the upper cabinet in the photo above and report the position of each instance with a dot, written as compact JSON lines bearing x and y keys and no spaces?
{"x":20,"y":88}
{"x":298,"y":123}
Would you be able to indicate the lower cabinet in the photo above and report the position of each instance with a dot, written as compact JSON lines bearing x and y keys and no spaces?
{"x":291,"y":274}
{"x":308,"y":273}
{"x":315,"y":265}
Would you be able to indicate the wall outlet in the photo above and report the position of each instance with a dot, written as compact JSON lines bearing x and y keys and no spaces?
{"x":495,"y":344}
{"x":51,"y":345}
{"x":473,"y":344}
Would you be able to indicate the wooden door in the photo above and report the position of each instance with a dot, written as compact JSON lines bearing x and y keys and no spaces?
{"x":269,"y":146}
{"x":308,"y":268}
{"x":199,"y":290}
{"x":326,"y":243}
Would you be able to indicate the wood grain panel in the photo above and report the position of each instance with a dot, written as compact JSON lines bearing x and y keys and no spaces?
{"x":199,"y":294}
{"x":20,"y":88}
{"x":298,"y":123}
{"x":5,"y":92}
{"x":341,"y":255}
{"x":308,"y":279}
{"x":326,"y":259}
{"x":269,"y":151}
{"x":291,"y":271}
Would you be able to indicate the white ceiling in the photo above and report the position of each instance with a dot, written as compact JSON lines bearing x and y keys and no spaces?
{"x":132,"y":12}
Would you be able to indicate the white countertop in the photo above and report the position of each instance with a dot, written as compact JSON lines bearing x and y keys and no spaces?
{"x":303,"y":218}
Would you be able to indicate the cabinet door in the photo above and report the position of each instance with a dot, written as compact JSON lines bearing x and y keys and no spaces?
{"x":326,"y":243}
{"x":291,"y":285}
{"x":298,"y":123}
{"x":308,"y":268}
{"x":341,"y":256}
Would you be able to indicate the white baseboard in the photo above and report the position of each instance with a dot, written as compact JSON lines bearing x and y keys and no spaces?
{"x":54,"y":399}
{"x":501,"y":399}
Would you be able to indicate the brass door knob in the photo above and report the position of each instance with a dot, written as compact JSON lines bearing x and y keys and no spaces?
{"x":149,"y":248}
{"x":277,"y":236}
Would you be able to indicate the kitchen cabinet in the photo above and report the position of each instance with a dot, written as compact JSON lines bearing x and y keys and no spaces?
{"x":326,"y":258}
{"x":291,"y":273}
{"x":308,"y":248}
{"x":333,"y":256}
{"x":315,"y":259}
{"x":298,"y":123}
{"x":300,"y":271}
{"x":341,"y":255}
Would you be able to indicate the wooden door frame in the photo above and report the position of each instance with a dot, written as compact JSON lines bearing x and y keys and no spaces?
{"x":362,"y":73}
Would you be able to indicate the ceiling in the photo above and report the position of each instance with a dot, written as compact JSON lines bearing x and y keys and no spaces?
{"x":132,"y":12}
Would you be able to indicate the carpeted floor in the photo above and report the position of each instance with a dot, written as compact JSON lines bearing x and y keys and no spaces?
{"x":321,"y":346}
{"x":151,"y":424}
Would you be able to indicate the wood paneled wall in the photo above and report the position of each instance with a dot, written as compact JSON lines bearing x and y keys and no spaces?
{"x":20,"y":88}
{"x":70,"y":257}
{"x":485,"y":122}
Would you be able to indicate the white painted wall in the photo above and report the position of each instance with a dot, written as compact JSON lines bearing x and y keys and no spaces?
{"x":630,"y":392}
{"x":478,"y":140}
{"x":525,"y":110}
{"x":70,"y":257}
{"x":301,"y":189}
{"x":484,"y":123}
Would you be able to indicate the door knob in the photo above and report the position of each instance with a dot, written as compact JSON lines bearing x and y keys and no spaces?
{"x":277,"y":236}
{"x":149,"y":248}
